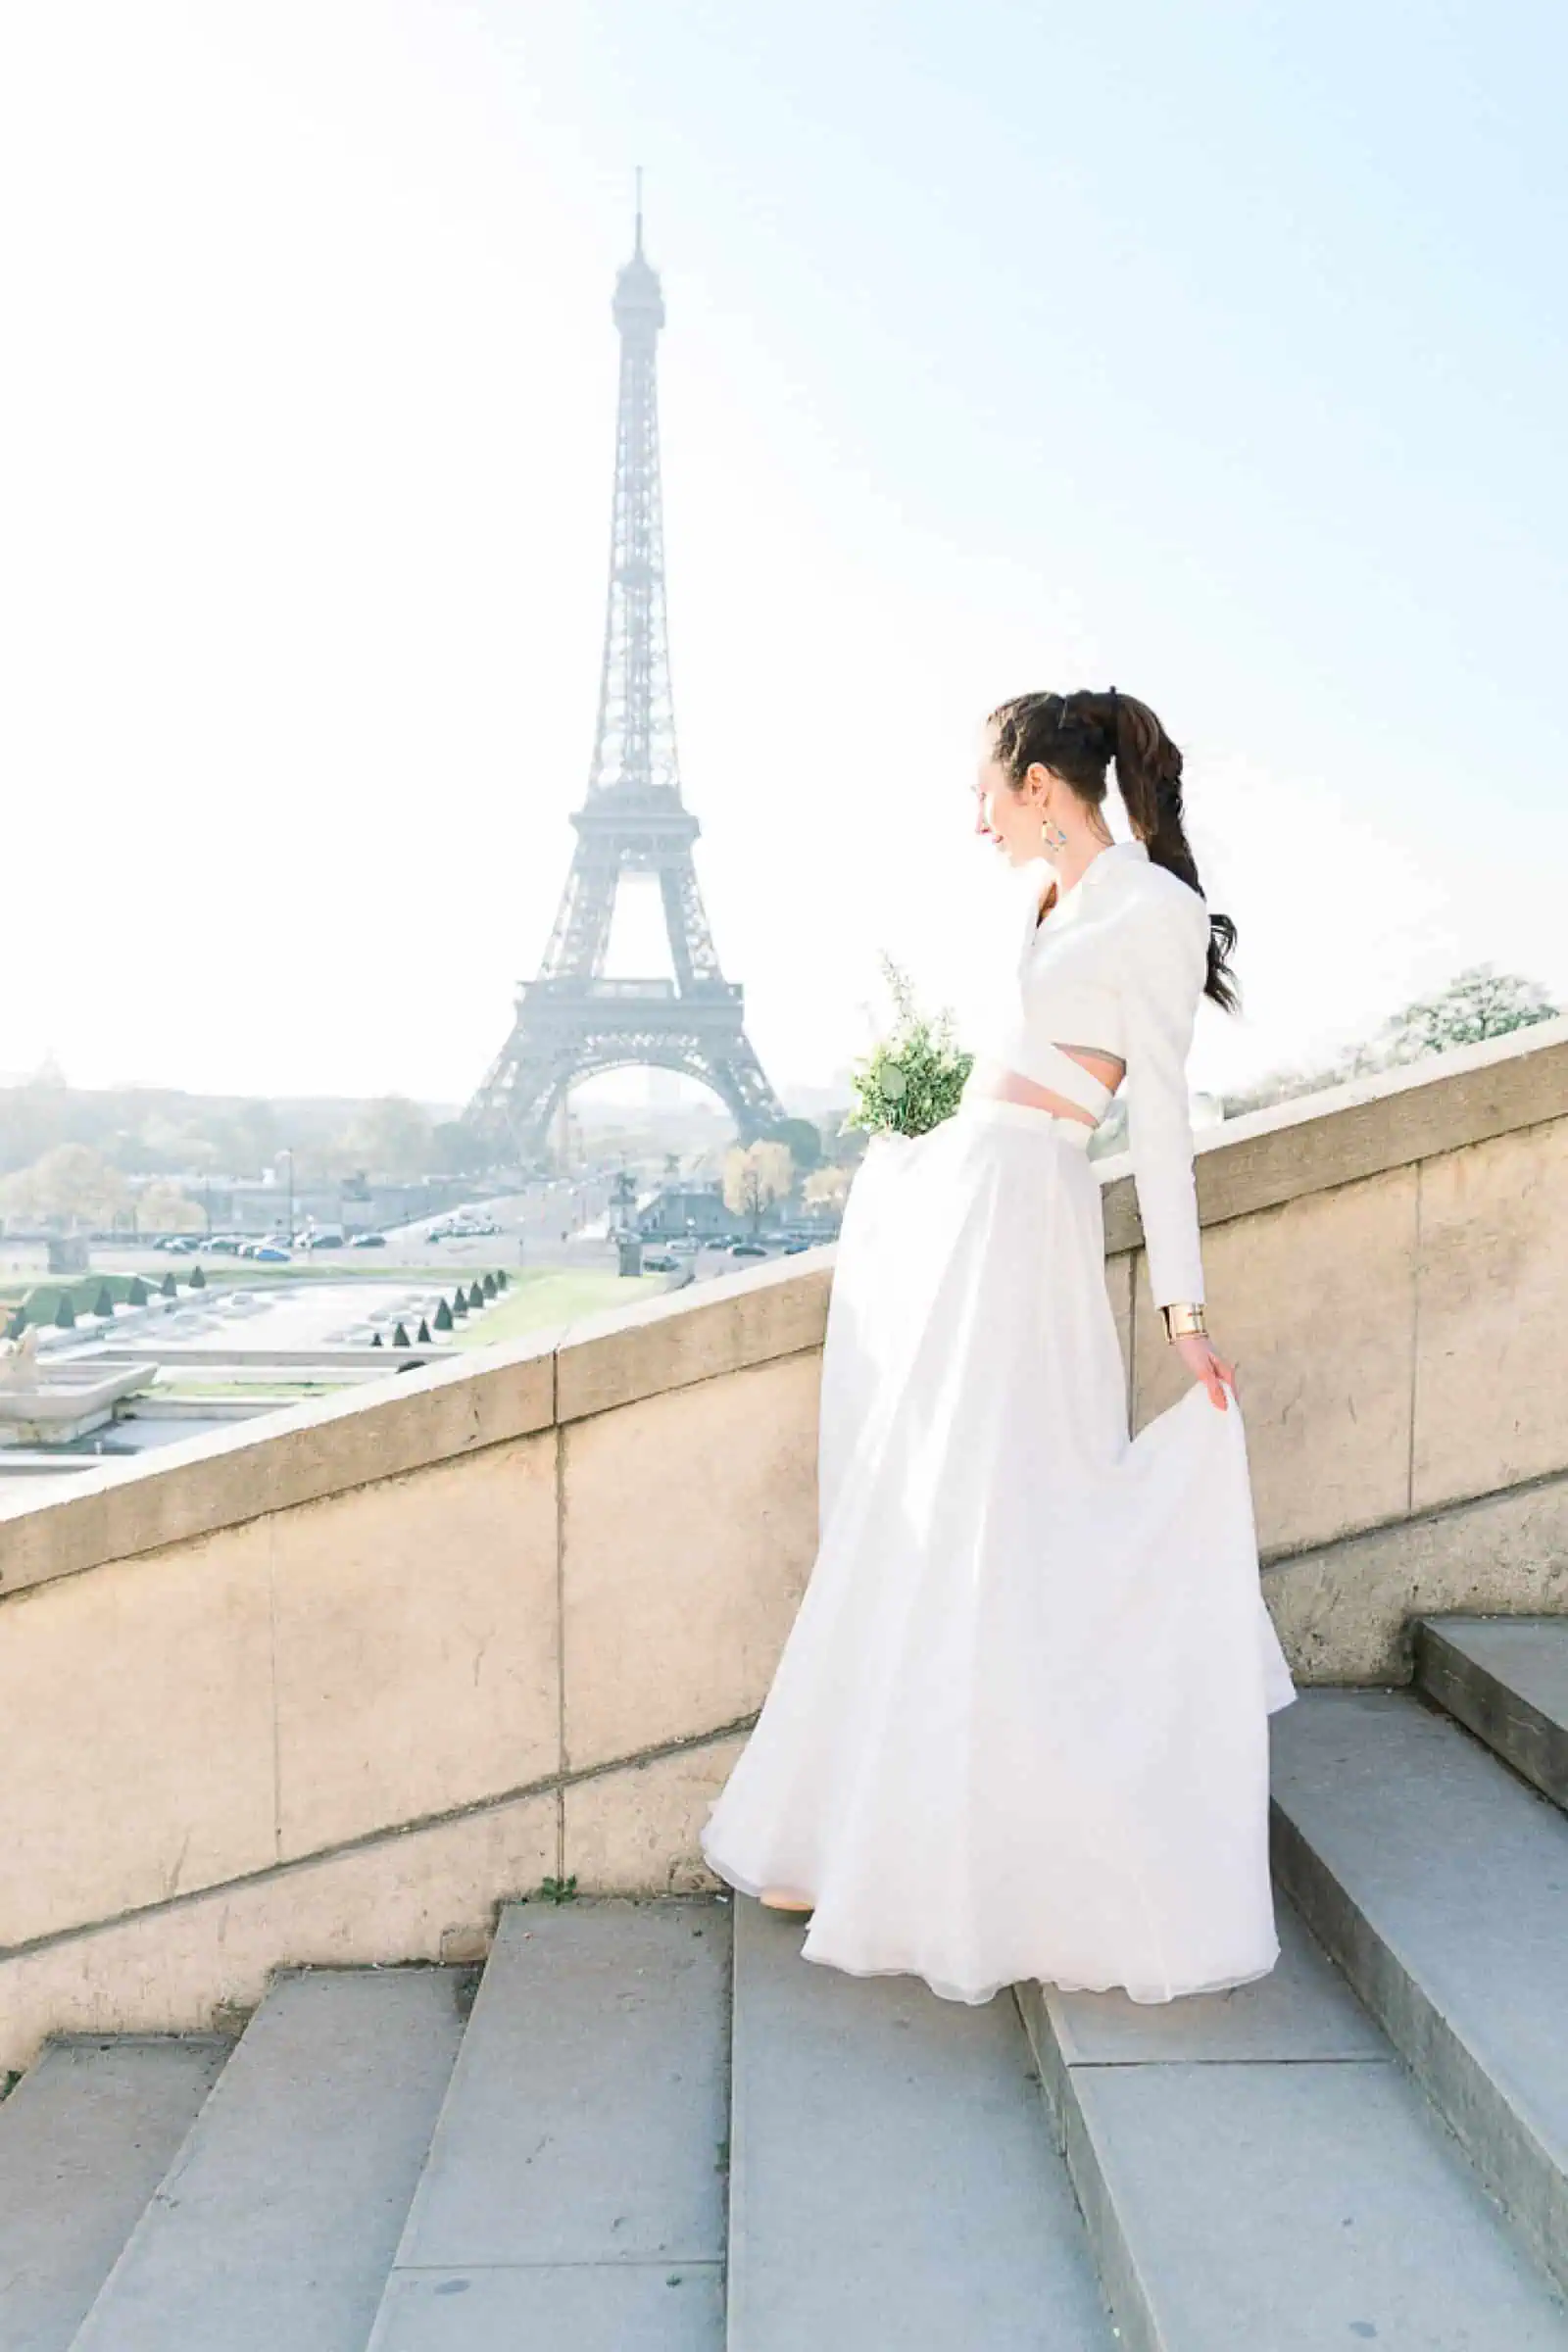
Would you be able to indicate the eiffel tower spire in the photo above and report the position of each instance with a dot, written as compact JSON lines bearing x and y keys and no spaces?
{"x":635,"y":739}
{"x":570,"y":1020}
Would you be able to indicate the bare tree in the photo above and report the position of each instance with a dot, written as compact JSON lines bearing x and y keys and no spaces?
{"x":761,"y":1173}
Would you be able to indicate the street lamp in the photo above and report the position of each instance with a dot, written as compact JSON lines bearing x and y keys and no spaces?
{"x":287,"y":1153}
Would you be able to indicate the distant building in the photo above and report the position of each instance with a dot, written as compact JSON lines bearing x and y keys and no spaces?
{"x":677,"y":1208}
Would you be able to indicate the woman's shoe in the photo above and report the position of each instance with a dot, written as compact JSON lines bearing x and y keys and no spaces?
{"x":784,"y":1898}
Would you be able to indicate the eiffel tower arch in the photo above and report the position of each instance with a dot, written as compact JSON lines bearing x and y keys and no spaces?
{"x":571,"y":1021}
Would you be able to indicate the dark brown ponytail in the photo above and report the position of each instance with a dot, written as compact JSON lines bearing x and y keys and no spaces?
{"x":1078,"y":736}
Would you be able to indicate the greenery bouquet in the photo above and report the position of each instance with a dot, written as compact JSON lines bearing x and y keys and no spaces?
{"x":911,"y":1079}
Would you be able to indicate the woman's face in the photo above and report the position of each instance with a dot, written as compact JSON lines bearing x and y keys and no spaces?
{"x":1008,"y":815}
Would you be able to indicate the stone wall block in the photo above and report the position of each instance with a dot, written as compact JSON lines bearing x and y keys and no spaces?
{"x":635,"y":1832}
{"x":431,"y":1895}
{"x":1493,"y":1313}
{"x":137,"y":1706}
{"x":689,"y":1528}
{"x":418,"y":1646}
{"x":1313,"y":1303}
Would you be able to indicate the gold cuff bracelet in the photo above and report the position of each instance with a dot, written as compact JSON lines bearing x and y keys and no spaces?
{"x":1186,"y":1316}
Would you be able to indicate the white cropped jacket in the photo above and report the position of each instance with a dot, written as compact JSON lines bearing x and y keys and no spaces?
{"x":1118,"y":966}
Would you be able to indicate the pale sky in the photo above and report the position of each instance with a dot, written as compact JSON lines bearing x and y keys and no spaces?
{"x":1215,"y":352}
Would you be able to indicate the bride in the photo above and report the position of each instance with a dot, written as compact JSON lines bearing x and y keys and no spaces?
{"x":1020,"y":1728}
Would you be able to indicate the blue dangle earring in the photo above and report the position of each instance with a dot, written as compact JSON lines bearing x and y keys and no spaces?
{"x":1052,"y":835}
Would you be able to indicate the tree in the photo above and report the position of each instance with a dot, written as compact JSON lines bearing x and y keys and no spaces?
{"x":827,"y":1188}
{"x":159,"y":1145}
{"x":456,"y":1150}
{"x":756,"y":1176}
{"x":802,"y":1139}
{"x":163,"y":1208}
{"x":249,"y":1137}
{"x":1475,"y":1003}
{"x":1478,"y":1003}
{"x":391,"y":1137}
{"x":71,"y":1182}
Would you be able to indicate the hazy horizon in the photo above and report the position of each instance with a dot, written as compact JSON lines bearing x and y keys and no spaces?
{"x":1016,"y":348}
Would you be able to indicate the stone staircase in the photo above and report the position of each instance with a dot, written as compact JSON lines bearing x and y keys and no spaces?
{"x":647,"y":2127}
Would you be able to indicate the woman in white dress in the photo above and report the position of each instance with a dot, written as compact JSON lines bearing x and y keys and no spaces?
{"x":1020,"y":1728}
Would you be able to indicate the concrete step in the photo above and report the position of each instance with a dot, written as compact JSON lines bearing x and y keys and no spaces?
{"x":1257,"y":2170}
{"x":1440,"y":1883}
{"x":892,"y":2177}
{"x":1506,"y":1680}
{"x":276,"y":2223}
{"x":573,"y":2191}
{"x":85,"y":2138}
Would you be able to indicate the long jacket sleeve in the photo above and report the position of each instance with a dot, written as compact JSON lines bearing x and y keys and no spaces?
{"x":1160,"y":985}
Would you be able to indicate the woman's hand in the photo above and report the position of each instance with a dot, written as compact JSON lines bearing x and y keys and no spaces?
{"x":1213,"y":1370}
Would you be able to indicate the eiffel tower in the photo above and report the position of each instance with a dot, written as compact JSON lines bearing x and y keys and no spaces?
{"x":571,"y":1021}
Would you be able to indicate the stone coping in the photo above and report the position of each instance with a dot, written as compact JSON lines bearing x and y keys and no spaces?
{"x":571,"y":1372}
{"x":1388,"y":1120}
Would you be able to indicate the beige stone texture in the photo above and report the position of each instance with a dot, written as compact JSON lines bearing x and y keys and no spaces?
{"x":457,"y":1407}
{"x":1313,"y":1304}
{"x":416,"y":1644}
{"x":1493,"y":1307}
{"x":1388,"y":1120}
{"x":1344,"y":1611}
{"x":429,"y":1894}
{"x":370,"y":1610}
{"x":635,"y":1831}
{"x":137,"y":1706}
{"x":694,"y":1334}
{"x":689,"y":1530}
{"x":1119,"y":1284}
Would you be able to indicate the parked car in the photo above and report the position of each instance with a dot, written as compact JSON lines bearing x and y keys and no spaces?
{"x":224,"y":1245}
{"x":658,"y":1261}
{"x":271,"y":1253}
{"x":747,"y":1249}
{"x":792,"y":1248}
{"x":367,"y":1241}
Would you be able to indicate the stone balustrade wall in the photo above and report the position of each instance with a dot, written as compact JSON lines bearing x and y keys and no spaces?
{"x":329,"y":1686}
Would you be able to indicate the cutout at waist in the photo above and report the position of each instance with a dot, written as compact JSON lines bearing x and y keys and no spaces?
{"x":1039,"y":1062}
{"x":1005,"y":1111}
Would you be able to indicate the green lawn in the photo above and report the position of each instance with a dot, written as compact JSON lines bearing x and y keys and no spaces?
{"x":41,"y":1294}
{"x":535,"y":1296}
{"x":533,"y":1299}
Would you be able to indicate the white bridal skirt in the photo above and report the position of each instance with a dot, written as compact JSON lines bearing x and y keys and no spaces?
{"x":1020,"y":1728}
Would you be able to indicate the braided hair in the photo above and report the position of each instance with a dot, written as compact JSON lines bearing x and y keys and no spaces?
{"x":1078,"y":737}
